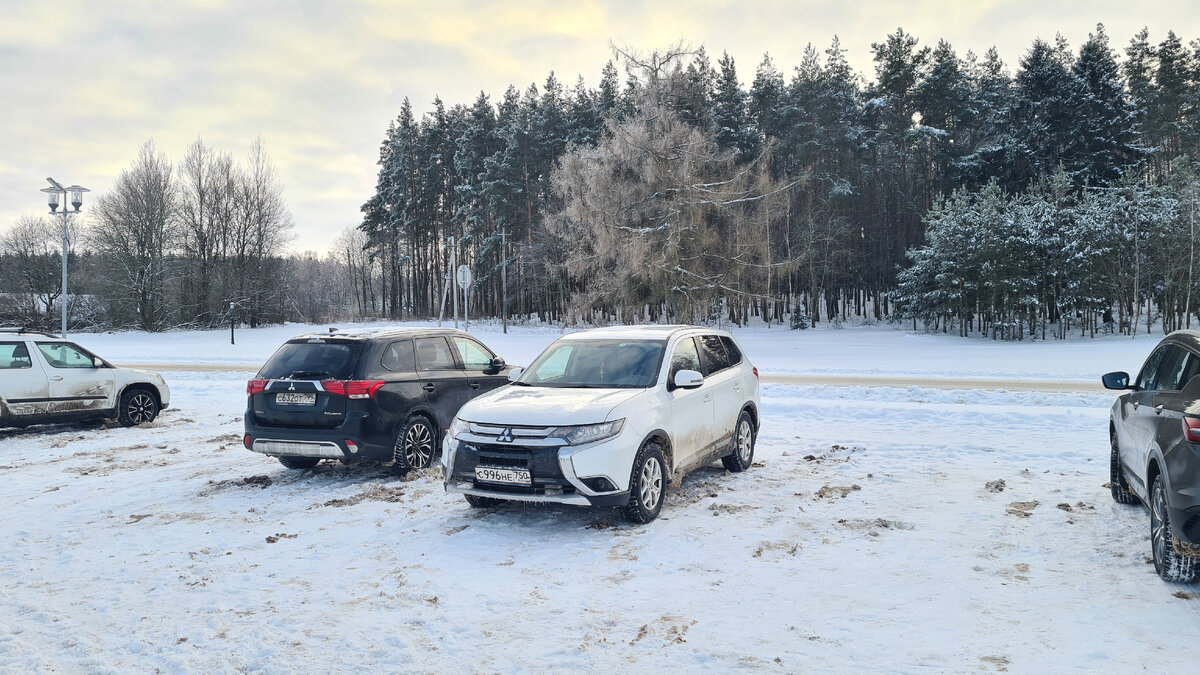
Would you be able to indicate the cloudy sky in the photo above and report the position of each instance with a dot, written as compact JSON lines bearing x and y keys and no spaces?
{"x":84,"y":83}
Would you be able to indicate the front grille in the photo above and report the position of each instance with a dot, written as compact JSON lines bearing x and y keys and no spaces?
{"x":486,"y":459}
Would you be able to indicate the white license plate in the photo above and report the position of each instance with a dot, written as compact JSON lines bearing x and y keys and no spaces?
{"x":292,"y":398}
{"x":494,"y":475}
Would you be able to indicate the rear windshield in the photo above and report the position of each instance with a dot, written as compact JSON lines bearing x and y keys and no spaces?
{"x":312,"y":361}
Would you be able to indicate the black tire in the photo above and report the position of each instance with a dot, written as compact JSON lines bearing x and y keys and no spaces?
{"x":1169,"y":563}
{"x":299,"y":462}
{"x":1116,"y":476}
{"x":743,"y":445}
{"x":415,"y":445}
{"x":137,"y":406}
{"x":478,"y":502}
{"x":647,"y":485}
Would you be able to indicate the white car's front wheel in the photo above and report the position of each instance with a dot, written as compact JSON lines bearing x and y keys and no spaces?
{"x":647,"y":485}
{"x":137,"y":406}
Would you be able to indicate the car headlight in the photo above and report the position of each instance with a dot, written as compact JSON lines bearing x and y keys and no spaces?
{"x":588,"y":433}
{"x":459,"y":426}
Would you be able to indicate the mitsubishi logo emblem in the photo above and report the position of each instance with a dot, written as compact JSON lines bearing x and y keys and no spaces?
{"x":292,"y":387}
{"x":505,"y":436}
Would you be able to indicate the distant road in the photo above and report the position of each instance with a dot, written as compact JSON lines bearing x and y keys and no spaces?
{"x":832,"y":380}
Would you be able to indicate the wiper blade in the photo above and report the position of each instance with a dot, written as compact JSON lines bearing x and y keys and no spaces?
{"x":308,"y":375}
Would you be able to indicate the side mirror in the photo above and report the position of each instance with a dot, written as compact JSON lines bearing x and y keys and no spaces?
{"x":688,"y":379}
{"x":515,"y":374}
{"x":1118,"y":380}
{"x":498,"y":363}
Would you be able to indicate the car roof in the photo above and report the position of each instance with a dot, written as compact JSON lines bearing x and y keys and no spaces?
{"x":36,"y":334}
{"x":650,"y":332}
{"x":389,"y":333}
{"x":1188,"y":338}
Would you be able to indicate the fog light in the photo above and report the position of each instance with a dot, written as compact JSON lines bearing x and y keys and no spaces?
{"x":600,"y":484}
{"x":352,"y":445}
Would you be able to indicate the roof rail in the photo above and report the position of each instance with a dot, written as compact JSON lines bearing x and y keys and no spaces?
{"x":21,"y":330}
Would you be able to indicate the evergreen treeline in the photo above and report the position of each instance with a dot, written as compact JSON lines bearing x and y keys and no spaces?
{"x":675,"y":192}
{"x":951,"y":190}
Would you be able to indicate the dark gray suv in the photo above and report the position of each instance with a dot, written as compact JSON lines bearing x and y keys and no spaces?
{"x":366,"y":395}
{"x":1155,"y":456}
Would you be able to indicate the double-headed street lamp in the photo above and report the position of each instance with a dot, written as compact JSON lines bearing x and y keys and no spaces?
{"x":76,"y":194}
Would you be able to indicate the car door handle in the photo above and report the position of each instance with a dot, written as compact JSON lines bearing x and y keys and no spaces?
{"x":57,"y":378}
{"x":474,"y":385}
{"x":737,"y":387}
{"x":708,"y":398}
{"x":430,"y":388}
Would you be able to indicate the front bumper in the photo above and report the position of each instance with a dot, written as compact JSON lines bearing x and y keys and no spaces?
{"x":552,"y":468}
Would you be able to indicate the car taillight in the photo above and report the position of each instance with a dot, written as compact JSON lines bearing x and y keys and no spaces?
{"x":352,"y":388}
{"x":255,"y":387}
{"x":247,"y":441}
{"x":756,"y":372}
{"x":1191,"y":429}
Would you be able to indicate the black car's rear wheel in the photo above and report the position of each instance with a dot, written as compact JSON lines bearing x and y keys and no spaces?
{"x":416,"y":444}
{"x":1116,"y":476}
{"x":1169,"y":563}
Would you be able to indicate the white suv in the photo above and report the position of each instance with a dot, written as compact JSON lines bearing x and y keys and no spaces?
{"x":608,"y":417}
{"x":44,"y":378}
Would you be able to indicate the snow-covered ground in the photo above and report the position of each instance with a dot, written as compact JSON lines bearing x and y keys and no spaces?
{"x":866,"y":537}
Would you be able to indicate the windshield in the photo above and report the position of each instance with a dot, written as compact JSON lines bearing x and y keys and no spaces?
{"x":607,"y":364}
{"x":312,"y":361}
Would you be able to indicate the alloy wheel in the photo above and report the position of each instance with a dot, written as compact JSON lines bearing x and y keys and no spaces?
{"x":141,"y":408}
{"x":418,"y":446}
{"x":651,"y":484}
{"x":745,"y":440}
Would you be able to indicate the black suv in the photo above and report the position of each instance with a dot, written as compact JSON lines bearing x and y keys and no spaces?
{"x":368,"y":395}
{"x":1154,"y":431}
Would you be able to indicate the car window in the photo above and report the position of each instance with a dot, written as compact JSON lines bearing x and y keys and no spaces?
{"x":597,"y":363}
{"x":713,"y":354}
{"x":474,"y":355}
{"x":732,"y":350}
{"x":1146,"y":379}
{"x":1191,"y":368}
{"x":313,"y":360}
{"x":1173,"y":368}
{"x":14,"y":355}
{"x":65,"y":355}
{"x":553,"y":367}
{"x":398,"y":357}
{"x":434,"y":354}
{"x":685,"y":357}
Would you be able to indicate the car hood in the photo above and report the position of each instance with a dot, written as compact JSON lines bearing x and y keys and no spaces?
{"x":544,"y":406}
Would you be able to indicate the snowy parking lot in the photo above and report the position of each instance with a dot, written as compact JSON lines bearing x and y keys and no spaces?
{"x":881,"y":528}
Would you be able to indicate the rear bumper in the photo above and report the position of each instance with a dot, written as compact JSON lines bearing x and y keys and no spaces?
{"x":344,"y":442}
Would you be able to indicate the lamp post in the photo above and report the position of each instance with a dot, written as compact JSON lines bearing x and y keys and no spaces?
{"x":76,"y":194}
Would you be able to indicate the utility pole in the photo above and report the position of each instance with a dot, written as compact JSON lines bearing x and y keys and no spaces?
{"x":453,"y":266}
{"x":503,"y":280}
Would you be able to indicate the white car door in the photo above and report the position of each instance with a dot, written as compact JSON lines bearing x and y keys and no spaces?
{"x":76,"y":384}
{"x":691,"y":409}
{"x":24,"y":388}
{"x":726,"y":382}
